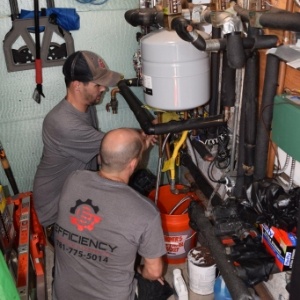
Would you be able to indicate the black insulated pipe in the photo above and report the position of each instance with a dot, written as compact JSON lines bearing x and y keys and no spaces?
{"x":235,"y":50}
{"x":182,"y":27}
{"x":265,"y":117}
{"x":200,"y":223}
{"x":145,"y":118}
{"x":275,"y":18}
{"x":144,"y":17}
{"x":227,"y":84}
{"x":200,"y":180}
{"x":281,"y":20}
{"x":247,"y":134}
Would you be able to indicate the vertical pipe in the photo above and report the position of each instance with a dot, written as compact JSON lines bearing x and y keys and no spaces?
{"x":247,"y":133}
{"x":214,"y":79}
{"x":281,"y":78}
{"x":237,"y":112}
{"x":265,"y":116}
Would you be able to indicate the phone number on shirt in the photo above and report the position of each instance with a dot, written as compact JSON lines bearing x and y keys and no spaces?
{"x":81,"y":254}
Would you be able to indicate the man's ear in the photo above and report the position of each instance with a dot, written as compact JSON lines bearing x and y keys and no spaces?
{"x":133,"y":164}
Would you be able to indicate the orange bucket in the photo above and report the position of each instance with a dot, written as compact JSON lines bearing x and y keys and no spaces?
{"x":179,"y":237}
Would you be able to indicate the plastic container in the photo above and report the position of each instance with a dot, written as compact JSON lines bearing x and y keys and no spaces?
{"x":201,"y":271}
{"x":176,"y":75}
{"x":179,"y":237}
{"x":179,"y":285}
{"x":220,"y":290}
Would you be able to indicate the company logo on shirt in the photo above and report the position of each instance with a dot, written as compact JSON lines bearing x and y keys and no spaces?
{"x":84,"y":215}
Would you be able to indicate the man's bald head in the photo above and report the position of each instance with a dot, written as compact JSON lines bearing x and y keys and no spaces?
{"x":119,"y":147}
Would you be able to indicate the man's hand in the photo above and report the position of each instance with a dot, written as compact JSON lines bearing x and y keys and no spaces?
{"x":149,"y":140}
{"x":140,"y":270}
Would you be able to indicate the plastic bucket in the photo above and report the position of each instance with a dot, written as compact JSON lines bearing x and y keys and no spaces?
{"x":179,"y":237}
{"x":201,"y":271}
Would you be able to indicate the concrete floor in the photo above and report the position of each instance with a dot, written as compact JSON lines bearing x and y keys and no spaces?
{"x":168,"y":277}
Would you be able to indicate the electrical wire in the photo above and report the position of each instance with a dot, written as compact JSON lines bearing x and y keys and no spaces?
{"x":223,"y":158}
{"x":188,"y":197}
{"x":280,"y":171}
{"x":209,"y":172}
{"x":265,"y":127}
{"x":292,"y":173}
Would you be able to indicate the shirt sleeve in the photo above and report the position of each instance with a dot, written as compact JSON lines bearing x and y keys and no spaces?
{"x":73,"y":135}
{"x":152,"y":242}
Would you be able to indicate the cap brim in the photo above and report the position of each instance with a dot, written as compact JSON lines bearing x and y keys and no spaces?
{"x":110,"y":78}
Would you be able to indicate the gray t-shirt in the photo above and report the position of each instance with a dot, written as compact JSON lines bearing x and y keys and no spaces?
{"x":101,"y":225}
{"x":71,"y":142}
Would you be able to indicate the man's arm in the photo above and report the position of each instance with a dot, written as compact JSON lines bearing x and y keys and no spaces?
{"x":153,"y":269}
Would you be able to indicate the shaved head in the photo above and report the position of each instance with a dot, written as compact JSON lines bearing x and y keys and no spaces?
{"x":119,"y":147}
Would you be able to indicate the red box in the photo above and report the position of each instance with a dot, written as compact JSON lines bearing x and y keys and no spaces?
{"x":281,"y":245}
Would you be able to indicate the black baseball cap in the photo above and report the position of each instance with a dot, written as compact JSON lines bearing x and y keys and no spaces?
{"x":87,"y":66}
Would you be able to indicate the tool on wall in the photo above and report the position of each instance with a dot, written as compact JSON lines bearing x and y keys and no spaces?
{"x":52,"y":52}
{"x":38,"y":92}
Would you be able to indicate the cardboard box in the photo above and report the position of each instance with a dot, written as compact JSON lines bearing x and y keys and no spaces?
{"x":281,"y":245}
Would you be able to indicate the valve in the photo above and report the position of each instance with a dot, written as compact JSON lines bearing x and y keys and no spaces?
{"x":113,"y":104}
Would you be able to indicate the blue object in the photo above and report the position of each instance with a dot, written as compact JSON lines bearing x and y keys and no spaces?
{"x":220,"y":290}
{"x":66,"y":18}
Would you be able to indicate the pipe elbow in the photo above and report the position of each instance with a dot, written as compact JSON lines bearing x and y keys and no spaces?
{"x":235,"y":50}
{"x":181,"y":25}
{"x":144,"y":17}
{"x":114,"y":92}
{"x":187,"y":33}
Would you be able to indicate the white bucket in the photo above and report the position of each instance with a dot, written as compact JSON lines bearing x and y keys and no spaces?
{"x":202,"y":273}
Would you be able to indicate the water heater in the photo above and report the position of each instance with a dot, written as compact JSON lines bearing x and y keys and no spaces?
{"x":176,"y":75}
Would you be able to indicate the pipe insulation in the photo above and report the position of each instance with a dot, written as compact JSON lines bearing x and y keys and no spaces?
{"x":214,"y":103}
{"x":227,"y":84}
{"x":274,"y":18}
{"x":187,"y":33}
{"x":145,"y":118}
{"x":200,"y":179}
{"x":144,"y":17}
{"x":235,"y":50}
{"x":201,"y":223}
{"x":265,"y":116}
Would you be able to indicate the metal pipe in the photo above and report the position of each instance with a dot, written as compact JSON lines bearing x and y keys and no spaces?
{"x":201,"y":223}
{"x":145,"y":118}
{"x":265,"y":116}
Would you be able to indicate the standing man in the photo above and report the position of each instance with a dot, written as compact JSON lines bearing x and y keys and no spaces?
{"x":103,"y":223}
{"x":70,"y":131}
